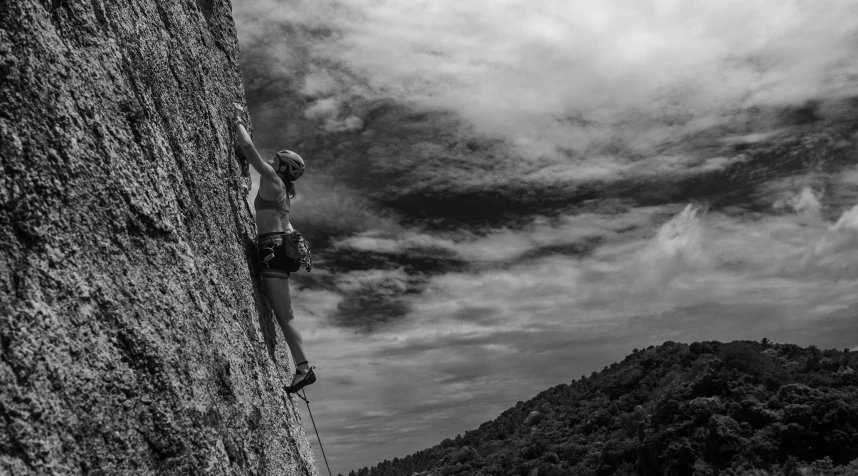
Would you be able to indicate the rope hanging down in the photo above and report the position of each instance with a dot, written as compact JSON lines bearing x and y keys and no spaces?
{"x":314,"y":428}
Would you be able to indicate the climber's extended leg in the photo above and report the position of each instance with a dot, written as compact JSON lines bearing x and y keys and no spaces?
{"x":277,"y":290}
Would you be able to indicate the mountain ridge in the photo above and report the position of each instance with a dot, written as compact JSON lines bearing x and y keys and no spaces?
{"x":706,"y":408}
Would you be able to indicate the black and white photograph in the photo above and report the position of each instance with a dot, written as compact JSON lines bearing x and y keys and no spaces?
{"x":414,"y":238}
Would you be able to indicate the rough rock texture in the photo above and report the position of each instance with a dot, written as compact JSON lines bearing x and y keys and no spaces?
{"x":134,"y":334}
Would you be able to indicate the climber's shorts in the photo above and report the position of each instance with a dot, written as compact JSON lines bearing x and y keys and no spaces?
{"x":281,"y":254}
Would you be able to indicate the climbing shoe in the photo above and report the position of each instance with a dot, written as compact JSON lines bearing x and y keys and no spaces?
{"x":308,"y":378}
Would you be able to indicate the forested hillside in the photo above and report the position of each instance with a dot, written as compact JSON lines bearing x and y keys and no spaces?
{"x":709,"y":408}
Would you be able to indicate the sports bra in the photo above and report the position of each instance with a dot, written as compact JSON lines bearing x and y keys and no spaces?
{"x":281,"y":205}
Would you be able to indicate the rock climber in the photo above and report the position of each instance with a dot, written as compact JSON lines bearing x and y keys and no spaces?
{"x":281,"y":249}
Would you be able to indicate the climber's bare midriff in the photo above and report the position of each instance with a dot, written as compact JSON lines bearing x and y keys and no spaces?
{"x":272,"y":221}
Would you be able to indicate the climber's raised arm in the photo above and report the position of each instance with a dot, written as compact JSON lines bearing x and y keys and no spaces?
{"x":246,"y":144}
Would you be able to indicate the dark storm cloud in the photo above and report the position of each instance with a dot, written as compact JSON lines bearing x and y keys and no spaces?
{"x":376,"y":286}
{"x":371,"y":306}
{"x":718,"y":172}
{"x":427,"y":260}
{"x":428,"y":169}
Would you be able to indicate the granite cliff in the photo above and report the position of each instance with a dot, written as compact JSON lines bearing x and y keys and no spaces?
{"x":134,"y":337}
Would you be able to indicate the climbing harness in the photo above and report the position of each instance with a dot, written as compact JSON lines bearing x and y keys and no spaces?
{"x":284,"y":252}
{"x":304,"y":397}
{"x":298,"y":249}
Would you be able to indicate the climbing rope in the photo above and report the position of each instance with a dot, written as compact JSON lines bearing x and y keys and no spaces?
{"x":304,"y":391}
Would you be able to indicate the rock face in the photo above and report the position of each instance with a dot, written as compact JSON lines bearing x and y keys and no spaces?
{"x":134,"y":336}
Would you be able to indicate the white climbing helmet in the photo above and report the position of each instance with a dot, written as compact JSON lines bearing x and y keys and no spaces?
{"x":291,"y":164}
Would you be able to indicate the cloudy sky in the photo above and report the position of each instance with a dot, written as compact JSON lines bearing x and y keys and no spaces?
{"x":505,"y":195}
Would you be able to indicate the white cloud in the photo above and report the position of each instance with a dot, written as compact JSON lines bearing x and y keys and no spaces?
{"x":388,"y":281}
{"x":506,"y":244}
{"x":374,"y":241}
{"x":323,"y":109}
{"x":839,"y":244}
{"x":319,"y":82}
{"x":513,"y":67}
{"x":804,"y":202}
{"x":850,"y":176}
